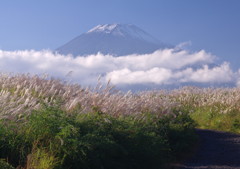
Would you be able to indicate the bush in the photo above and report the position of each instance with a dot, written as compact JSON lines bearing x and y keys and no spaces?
{"x":13,"y":145}
{"x":181,"y":132}
{"x":50,"y":138}
{"x":5,"y":165}
{"x":209,"y":119}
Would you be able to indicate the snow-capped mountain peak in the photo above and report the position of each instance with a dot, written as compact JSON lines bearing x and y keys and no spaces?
{"x":116,"y":39}
{"x":107,"y":28}
{"x":125,"y":30}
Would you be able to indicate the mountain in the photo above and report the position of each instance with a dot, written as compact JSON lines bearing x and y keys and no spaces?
{"x":115,"y":39}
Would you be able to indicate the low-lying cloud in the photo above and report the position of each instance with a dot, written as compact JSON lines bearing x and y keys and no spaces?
{"x":168,"y":66}
{"x":219,"y":74}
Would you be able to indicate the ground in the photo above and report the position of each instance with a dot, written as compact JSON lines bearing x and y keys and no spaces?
{"x":216,"y":150}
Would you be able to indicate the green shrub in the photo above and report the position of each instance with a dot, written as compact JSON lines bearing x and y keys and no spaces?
{"x":181,"y":132}
{"x":41,"y":159}
{"x":208,"y":119}
{"x":12,"y":143}
{"x":5,"y":165}
{"x":52,"y":139}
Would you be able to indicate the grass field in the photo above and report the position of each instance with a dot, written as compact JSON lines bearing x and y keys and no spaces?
{"x":47,"y":123}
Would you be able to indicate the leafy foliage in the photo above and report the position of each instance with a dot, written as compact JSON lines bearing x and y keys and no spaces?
{"x":5,"y":165}
{"x":51,"y":138}
{"x":76,"y":127}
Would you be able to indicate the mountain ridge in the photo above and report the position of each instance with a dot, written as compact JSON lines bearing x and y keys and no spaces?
{"x":114,"y":39}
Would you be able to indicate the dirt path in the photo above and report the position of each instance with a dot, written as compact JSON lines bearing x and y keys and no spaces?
{"x":217,"y":150}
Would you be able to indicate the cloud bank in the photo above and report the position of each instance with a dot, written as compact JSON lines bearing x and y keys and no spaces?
{"x":163,"y":67}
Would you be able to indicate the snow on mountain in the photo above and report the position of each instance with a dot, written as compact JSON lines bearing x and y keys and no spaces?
{"x":125,"y":30}
{"x":115,"y":39}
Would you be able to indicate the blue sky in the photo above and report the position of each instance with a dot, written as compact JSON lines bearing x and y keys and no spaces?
{"x":212,"y":25}
{"x":49,"y":23}
{"x":209,"y":24}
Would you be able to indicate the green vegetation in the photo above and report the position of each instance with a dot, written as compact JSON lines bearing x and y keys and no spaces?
{"x":50,"y":124}
{"x":5,"y":165}
{"x":217,"y":109}
{"x":50,"y":138}
{"x":207,"y":119}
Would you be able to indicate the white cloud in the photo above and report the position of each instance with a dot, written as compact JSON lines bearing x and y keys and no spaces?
{"x":126,"y":76}
{"x":168,"y":58}
{"x":220,"y":74}
{"x":161,"y":67}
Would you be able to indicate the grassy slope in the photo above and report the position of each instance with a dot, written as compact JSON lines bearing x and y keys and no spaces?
{"x":50,"y":138}
{"x":46,"y":123}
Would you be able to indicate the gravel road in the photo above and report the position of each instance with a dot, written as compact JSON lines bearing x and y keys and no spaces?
{"x":216,"y":150}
